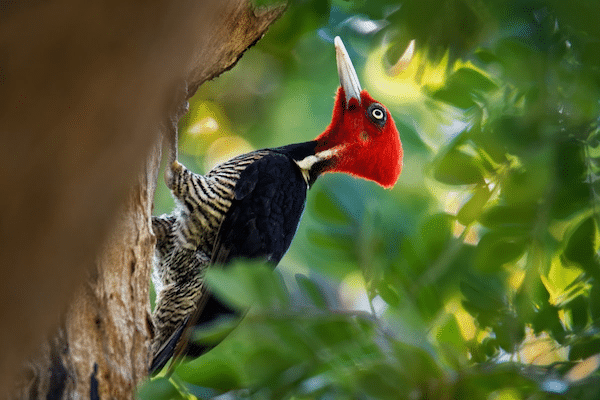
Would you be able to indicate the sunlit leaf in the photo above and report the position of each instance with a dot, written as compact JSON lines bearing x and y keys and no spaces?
{"x":450,"y":339}
{"x":471,"y":210}
{"x":559,"y":279}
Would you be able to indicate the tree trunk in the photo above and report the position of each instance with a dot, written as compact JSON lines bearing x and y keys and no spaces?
{"x":86,"y":92}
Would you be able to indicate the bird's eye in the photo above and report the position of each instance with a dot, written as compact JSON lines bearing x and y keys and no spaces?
{"x":377,"y":114}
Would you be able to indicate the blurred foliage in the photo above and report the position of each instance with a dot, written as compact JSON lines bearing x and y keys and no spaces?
{"x":477,"y":276}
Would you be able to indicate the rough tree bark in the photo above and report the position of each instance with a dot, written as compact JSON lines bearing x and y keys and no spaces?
{"x":85,"y":88}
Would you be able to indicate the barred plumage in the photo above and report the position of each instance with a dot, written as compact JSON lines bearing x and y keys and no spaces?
{"x":185,"y":240}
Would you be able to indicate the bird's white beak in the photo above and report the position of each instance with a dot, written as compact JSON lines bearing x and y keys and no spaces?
{"x":348,"y":77}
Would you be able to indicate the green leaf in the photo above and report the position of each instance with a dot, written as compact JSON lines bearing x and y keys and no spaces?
{"x":435,"y":233}
{"x":579,"y":312}
{"x":495,"y":249}
{"x":458,"y":168}
{"x":333,"y":332}
{"x":486,"y":56}
{"x":482,"y":294}
{"x":215,"y":332}
{"x":339,"y":242}
{"x":327,"y":210}
{"x":594,"y":302}
{"x":581,"y":247}
{"x":429,"y":301}
{"x":211,"y":371}
{"x":545,"y":318}
{"x":572,"y":192}
{"x":510,"y":332}
{"x":230,"y":287}
{"x":451,"y":340}
{"x":471,"y":210}
{"x":548,"y":319}
{"x":246,"y":284}
{"x":584,"y":349}
{"x":472,"y":79}
{"x":516,"y":218}
{"x":389,"y":295}
{"x":312,"y":291}
{"x":159,"y":389}
{"x":531,"y":297}
{"x":450,"y":332}
{"x":267,"y":363}
{"x":462,"y":85}
{"x":380,"y":381}
{"x":417,"y":363}
{"x":454,"y":97}
{"x":523,"y":186}
{"x":490,"y":347}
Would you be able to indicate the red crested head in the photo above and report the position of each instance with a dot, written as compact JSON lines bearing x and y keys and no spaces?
{"x":362,"y":139}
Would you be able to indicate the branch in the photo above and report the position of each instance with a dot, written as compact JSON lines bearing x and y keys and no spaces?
{"x":84,"y":93}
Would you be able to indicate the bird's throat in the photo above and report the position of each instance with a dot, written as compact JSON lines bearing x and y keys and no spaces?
{"x":315,"y":164}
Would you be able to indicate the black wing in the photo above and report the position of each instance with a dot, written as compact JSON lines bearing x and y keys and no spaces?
{"x":260,"y":224}
{"x":264,"y":215}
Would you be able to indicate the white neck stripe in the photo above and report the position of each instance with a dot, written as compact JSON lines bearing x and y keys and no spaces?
{"x":307,"y":163}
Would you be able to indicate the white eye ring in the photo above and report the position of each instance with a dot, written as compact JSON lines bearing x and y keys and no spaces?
{"x":377,"y":113}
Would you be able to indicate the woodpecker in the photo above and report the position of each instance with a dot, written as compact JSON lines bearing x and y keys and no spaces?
{"x":250,"y":207}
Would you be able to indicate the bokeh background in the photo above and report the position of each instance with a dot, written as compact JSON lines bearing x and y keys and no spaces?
{"x":477,"y":276}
